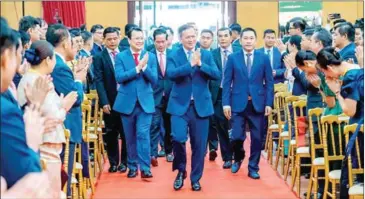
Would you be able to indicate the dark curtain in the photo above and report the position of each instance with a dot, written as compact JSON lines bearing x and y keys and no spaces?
{"x":70,"y":13}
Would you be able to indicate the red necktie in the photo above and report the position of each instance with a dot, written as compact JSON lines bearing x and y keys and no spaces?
{"x":136,"y":55}
{"x":114,"y":53}
{"x":162,"y":67}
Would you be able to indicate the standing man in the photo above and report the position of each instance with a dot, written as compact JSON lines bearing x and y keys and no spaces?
{"x":136,"y":75}
{"x":106,"y":85}
{"x":247,"y":99}
{"x":206,"y":39}
{"x":97,"y":31}
{"x":189,"y":104}
{"x":219,"y":124}
{"x":161,"y":96}
{"x":236,"y":31}
{"x":124,"y":44}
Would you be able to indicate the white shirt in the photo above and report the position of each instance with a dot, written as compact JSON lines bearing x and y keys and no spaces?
{"x":111,"y":56}
{"x":229,"y":51}
{"x":271,"y":55}
{"x":187,"y":57}
{"x":251,"y":57}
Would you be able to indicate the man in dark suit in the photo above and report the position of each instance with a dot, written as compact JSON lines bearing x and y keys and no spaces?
{"x":106,"y":85}
{"x":219,"y":125}
{"x":246,"y":98}
{"x":190,"y":104}
{"x":236,"y":31}
{"x":66,"y":81}
{"x":97,"y":31}
{"x":344,"y":38}
{"x":206,"y":39}
{"x":136,"y":77}
{"x":278,"y":67}
{"x":161,"y":96}
{"x":124,"y":44}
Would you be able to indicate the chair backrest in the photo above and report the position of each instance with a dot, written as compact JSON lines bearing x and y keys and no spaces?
{"x":298,"y":111}
{"x":332,"y":139}
{"x":357,"y":168}
{"x":94,"y":98}
{"x":279,"y":106}
{"x":67,"y":153}
{"x":280,"y":87}
{"x":43,"y":164}
{"x":314,"y":128}
{"x":289,"y":102}
{"x":86,"y":119}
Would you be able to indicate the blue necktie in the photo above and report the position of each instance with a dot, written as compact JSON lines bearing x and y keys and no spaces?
{"x":249,"y":64}
{"x":268,"y":52}
{"x":189,"y":55}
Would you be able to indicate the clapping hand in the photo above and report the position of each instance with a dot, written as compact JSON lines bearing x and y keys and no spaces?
{"x":143,"y":63}
{"x":280,"y":45}
{"x":34,"y":126}
{"x":360,"y":56}
{"x":37,"y":93}
{"x":314,"y":80}
{"x":289,"y":61}
{"x":196,"y":58}
{"x":334,"y":85}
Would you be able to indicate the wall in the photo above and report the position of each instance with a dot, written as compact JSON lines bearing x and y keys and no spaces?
{"x":12,"y":11}
{"x":255,"y":15}
{"x":349,"y":10}
{"x":112,"y":13}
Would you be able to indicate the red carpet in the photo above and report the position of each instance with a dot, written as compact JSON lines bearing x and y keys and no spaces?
{"x":216,"y":183}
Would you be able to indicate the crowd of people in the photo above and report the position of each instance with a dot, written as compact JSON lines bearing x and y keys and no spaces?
{"x":156,"y":94}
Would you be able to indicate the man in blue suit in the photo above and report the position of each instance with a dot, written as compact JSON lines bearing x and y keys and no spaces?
{"x":344,"y":38}
{"x":246,"y":98}
{"x":136,"y":78}
{"x":97,"y":31}
{"x":219,"y":125}
{"x":161,"y":96}
{"x":66,"y":81}
{"x":278,"y":67}
{"x":190,"y":104}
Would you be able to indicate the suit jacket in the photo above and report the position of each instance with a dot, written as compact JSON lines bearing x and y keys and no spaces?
{"x":349,"y":52}
{"x":237,"y":43}
{"x":164,"y":84}
{"x":124,"y":44}
{"x":134,"y":86}
{"x":16,"y":158}
{"x":278,"y":65}
{"x":64,"y":82}
{"x":243,"y":85}
{"x":215,"y":85}
{"x":90,"y":84}
{"x":105,"y":82}
{"x":96,"y":49}
{"x":191,"y":81}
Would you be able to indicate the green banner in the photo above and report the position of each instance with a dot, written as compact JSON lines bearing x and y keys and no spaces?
{"x":301,"y":6}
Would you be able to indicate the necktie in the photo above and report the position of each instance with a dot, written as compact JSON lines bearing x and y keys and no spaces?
{"x":189,"y":55}
{"x":136,"y":55}
{"x":114,"y":54}
{"x":224,"y":64}
{"x":268,"y":52}
{"x":248,"y":64}
{"x":162,"y":66}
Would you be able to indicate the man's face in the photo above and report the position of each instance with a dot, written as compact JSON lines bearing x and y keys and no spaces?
{"x":188,"y":38}
{"x":35,"y":33}
{"x":137,"y":40}
{"x":206,"y":40}
{"x":98,"y":35}
{"x":43,"y":31}
{"x":358,"y":37}
{"x":224,"y":38}
{"x":70,"y":48}
{"x":338,"y":39}
{"x":269,"y":39}
{"x":248,"y":41}
{"x":170,"y":38}
{"x":8,"y":67}
{"x":315,"y":45}
{"x":293,"y":31}
{"x":111,"y":40}
{"x":160,"y":42}
{"x":305,"y":43}
{"x":79,"y":42}
{"x":309,"y":67}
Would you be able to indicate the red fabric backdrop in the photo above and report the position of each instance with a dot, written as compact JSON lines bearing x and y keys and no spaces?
{"x":71,"y":13}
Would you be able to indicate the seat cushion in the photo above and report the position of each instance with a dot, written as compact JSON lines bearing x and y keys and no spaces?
{"x":73,"y":180}
{"x":335,"y":174}
{"x":357,"y":189}
{"x":91,"y":128}
{"x":303,"y":150}
{"x":78,"y":165}
{"x":284,"y":134}
{"x":275,"y":126}
{"x":93,"y":136}
{"x":293,"y":142}
{"x":318,"y":161}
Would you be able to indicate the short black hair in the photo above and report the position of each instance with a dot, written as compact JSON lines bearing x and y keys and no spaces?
{"x":298,"y":24}
{"x":109,"y":30}
{"x":153,"y":26}
{"x":25,"y":37}
{"x":207,"y":31}
{"x":304,"y":55}
{"x":159,"y":31}
{"x":39,"y":51}
{"x":346,"y":29}
{"x":183,"y":28}
{"x":328,"y":56}
{"x":75,"y":32}
{"x":247,"y":30}
{"x":129,"y":27}
{"x":170,"y":29}
{"x":324,"y":36}
{"x":86,"y":35}
{"x":56,"y":33}
{"x":337,"y":21}
{"x":42,"y":22}
{"x":269,"y":31}
{"x":7,"y":37}
{"x":308,"y":32}
{"x":28,"y":22}
{"x":117,"y":28}
{"x":137,"y":29}
{"x":224,"y":29}
{"x":295,"y":40}
{"x":83,"y":27}
{"x":236,"y":27}
{"x":96,"y":27}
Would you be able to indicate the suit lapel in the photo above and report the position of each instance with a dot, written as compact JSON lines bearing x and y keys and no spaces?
{"x":241,"y":59}
{"x":129,"y":60}
{"x":108,"y":59}
{"x":219,"y":58}
{"x":254,"y":64}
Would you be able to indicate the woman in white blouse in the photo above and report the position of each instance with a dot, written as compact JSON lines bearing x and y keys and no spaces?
{"x":42,"y":60}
